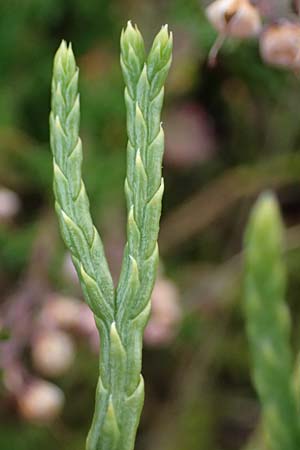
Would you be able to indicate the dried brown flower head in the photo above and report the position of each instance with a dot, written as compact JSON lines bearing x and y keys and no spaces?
{"x":236,"y":18}
{"x":280,"y":45}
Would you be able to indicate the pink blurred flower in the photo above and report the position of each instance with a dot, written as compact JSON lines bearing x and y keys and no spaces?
{"x":190,"y":137}
{"x":165,"y":314}
{"x":52,"y":353}
{"x":40,"y":401}
{"x":280,"y":45}
{"x":10,"y":204}
{"x":60,"y":311}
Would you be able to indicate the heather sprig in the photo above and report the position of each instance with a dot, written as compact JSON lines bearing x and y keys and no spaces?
{"x":268,"y":325}
{"x":120,"y":314}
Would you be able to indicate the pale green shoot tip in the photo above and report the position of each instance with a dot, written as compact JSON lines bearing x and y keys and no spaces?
{"x":131,"y":37}
{"x":163,"y":39}
{"x":265,"y":224}
{"x":64,"y":61}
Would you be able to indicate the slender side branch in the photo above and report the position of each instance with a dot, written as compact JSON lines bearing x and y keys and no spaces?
{"x":72,"y":207}
{"x":268,"y":325}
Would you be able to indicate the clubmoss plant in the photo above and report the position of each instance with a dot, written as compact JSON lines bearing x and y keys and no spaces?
{"x":122,"y":313}
{"x":268,"y":325}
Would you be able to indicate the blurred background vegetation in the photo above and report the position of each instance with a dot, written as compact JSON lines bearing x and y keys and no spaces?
{"x":232,"y":130}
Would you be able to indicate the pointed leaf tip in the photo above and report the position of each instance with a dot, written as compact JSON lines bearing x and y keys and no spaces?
{"x":63,"y":44}
{"x":265,"y":223}
{"x":266,"y":207}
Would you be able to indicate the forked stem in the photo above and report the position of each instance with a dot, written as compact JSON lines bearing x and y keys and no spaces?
{"x":121,"y":315}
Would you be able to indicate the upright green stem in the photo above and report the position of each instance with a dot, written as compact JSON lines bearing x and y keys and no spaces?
{"x":120,"y":315}
{"x":144,"y":92}
{"x":268,"y":325}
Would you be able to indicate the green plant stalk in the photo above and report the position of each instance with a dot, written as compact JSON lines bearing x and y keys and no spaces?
{"x":268,"y":325}
{"x":121,"y":314}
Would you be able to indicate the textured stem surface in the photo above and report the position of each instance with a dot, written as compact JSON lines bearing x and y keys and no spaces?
{"x":120,"y":316}
{"x":144,"y":91}
{"x":268,"y":325}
